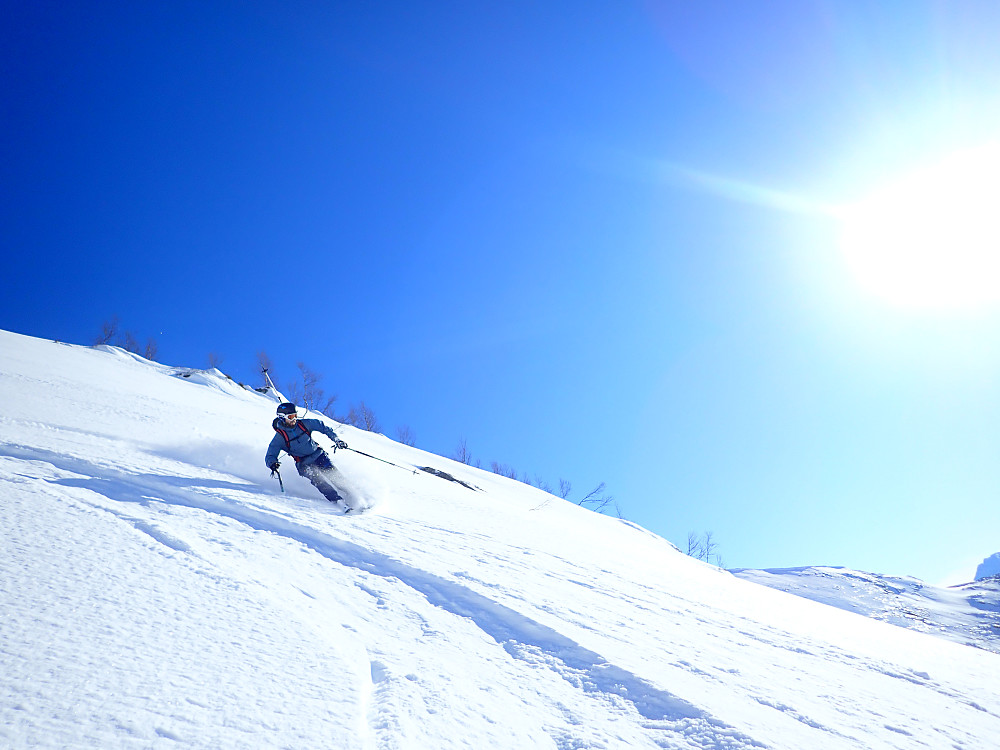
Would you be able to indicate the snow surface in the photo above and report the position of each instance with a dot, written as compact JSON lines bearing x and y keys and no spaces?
{"x":969,"y":613}
{"x":989,"y":567}
{"x":158,"y":591}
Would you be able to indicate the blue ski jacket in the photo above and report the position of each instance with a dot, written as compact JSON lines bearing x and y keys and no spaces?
{"x":296,"y":441}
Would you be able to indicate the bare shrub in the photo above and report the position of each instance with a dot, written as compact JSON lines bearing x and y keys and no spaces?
{"x":694,"y":547}
{"x":307,"y":392}
{"x":504,"y":470}
{"x":405,"y":435}
{"x":109,"y":331}
{"x":462,"y":453}
{"x":129,"y":342}
{"x":597,"y":499}
{"x":538,"y":482}
{"x":704,"y":547}
{"x":362,"y":416}
{"x":112,"y":334}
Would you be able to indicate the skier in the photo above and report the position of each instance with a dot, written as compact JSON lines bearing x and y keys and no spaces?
{"x":292,"y":435}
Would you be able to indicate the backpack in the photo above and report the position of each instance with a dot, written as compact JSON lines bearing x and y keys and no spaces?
{"x":288,"y":442}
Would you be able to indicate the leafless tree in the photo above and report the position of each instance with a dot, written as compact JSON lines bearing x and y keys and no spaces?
{"x":130,"y":343}
{"x":462,"y":453}
{"x":590,"y":496}
{"x":541,"y":484}
{"x":504,"y":470}
{"x":362,"y":416}
{"x":597,"y":498}
{"x":695,"y":548}
{"x":214,"y":359}
{"x":704,"y":547}
{"x":565,"y":487}
{"x":109,"y":330}
{"x":711,"y":547}
{"x":308,"y":393}
{"x":406,"y":436}
{"x":111,"y":334}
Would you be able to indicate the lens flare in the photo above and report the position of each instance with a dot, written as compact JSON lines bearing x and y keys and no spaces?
{"x":931,"y":239}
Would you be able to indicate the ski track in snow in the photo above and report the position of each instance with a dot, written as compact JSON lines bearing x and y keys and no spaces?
{"x":520,"y":636}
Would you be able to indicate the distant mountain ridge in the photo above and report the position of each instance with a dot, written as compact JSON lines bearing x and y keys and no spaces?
{"x":967,"y":614}
{"x":988,"y":568}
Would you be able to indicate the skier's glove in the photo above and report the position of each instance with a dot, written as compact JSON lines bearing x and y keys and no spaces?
{"x":340,"y":444}
{"x":274,"y":466}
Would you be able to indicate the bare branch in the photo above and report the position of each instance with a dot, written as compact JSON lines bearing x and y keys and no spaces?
{"x":306,"y":391}
{"x":591,"y":497}
{"x":704,"y":547}
{"x":129,"y":342}
{"x":565,"y":487}
{"x":462,"y":453}
{"x":504,"y":470}
{"x":711,"y":547}
{"x":694,"y":548}
{"x":363,"y":417}
{"x":109,"y":330}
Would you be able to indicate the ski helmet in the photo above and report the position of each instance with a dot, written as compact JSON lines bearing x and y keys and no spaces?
{"x":286,"y":408}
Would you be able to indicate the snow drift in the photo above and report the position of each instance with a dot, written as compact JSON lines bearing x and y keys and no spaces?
{"x":157,"y":590}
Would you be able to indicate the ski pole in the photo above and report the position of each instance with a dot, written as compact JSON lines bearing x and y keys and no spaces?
{"x":381,"y":459}
{"x":267,"y":378}
{"x":276,"y":473}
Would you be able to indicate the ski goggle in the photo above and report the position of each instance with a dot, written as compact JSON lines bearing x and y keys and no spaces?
{"x":290,"y":417}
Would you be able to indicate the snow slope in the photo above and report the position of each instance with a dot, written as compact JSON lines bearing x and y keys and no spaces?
{"x":158,"y":591}
{"x":968,"y":614}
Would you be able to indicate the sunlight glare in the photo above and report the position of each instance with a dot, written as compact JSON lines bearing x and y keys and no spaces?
{"x":931,"y":239}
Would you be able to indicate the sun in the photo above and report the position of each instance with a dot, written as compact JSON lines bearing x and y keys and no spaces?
{"x":931,"y":238}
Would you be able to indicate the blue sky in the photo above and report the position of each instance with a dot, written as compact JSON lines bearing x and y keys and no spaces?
{"x":598,"y":241}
